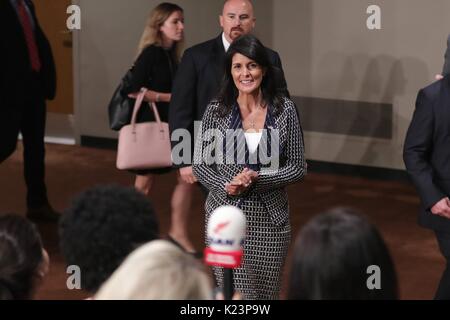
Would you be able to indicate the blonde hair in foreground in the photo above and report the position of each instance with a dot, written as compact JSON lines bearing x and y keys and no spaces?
{"x":158,"y":270}
{"x":152,"y":33}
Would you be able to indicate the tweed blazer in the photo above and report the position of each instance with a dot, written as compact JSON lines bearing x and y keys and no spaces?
{"x":283,"y":164}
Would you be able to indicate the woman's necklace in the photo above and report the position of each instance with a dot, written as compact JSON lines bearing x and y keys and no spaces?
{"x":252,"y":121}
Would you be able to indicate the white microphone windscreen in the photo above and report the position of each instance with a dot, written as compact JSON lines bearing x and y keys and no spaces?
{"x":226,"y":232}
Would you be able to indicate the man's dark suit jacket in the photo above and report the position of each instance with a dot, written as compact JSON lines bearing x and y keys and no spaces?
{"x":198,"y":80}
{"x":16,"y":75}
{"x":427,"y":151}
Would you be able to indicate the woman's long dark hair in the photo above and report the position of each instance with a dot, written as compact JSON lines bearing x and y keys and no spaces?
{"x":331,"y":259}
{"x":249,"y":46}
{"x":20,"y":257}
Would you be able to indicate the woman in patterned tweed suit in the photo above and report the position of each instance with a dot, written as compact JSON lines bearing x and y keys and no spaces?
{"x":250,"y":147}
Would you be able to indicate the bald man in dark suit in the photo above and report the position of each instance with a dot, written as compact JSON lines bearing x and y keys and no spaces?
{"x":200,"y":72}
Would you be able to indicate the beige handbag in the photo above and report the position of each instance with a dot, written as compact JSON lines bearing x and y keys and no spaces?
{"x":144,"y":145}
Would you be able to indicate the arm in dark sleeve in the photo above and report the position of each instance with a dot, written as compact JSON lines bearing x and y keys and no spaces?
{"x":446,"y":69}
{"x":141,"y":71}
{"x":2,"y":78}
{"x":48,"y":63}
{"x":279,"y":76}
{"x":183,"y":101}
{"x":418,"y":148}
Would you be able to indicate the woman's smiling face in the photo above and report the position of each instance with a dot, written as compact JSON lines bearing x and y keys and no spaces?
{"x":247,"y":74}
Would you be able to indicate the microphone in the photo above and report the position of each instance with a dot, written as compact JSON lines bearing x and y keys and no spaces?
{"x":225,"y":232}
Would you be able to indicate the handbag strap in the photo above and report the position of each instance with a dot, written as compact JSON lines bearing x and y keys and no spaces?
{"x":158,"y":119}
{"x":138,"y":104}
{"x":155,"y":112}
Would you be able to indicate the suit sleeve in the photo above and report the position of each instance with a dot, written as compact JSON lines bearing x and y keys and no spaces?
{"x":418,"y":148}
{"x":446,"y":69}
{"x":3,"y":77}
{"x":293,"y":168}
{"x":183,"y":101}
{"x":279,"y":76}
{"x":47,"y":59}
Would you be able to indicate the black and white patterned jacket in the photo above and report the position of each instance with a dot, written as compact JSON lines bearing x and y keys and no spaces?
{"x":282,"y":165}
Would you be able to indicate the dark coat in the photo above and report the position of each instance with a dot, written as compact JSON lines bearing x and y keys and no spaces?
{"x":427,"y":151}
{"x":15,"y":72}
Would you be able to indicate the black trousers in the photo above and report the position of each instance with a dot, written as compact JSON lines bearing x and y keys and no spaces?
{"x":27,"y":117}
{"x":443,"y":292}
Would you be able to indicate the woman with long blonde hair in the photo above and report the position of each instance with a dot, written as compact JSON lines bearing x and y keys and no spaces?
{"x":158,"y":56}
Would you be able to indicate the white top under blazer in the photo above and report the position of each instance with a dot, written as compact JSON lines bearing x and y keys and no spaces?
{"x":252,"y":139}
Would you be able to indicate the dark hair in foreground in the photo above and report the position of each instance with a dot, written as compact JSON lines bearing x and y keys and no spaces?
{"x":101,"y":227}
{"x":331,"y":259}
{"x":249,"y":46}
{"x":20,"y":257}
